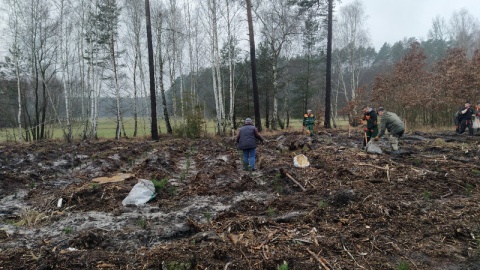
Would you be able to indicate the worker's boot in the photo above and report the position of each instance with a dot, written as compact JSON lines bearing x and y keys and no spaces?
{"x":393,"y":142}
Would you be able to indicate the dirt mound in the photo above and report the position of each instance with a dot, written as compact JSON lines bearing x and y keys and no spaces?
{"x":417,"y":208}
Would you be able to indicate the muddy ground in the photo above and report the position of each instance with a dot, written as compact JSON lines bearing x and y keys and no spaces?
{"x":417,"y":209}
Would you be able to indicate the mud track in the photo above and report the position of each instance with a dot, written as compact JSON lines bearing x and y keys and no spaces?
{"x":417,"y":209}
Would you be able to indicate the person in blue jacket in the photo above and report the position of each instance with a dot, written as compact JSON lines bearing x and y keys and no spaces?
{"x":247,"y":141}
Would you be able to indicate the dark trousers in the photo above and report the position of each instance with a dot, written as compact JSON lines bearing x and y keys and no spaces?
{"x":464,"y":125}
{"x":370,"y":133}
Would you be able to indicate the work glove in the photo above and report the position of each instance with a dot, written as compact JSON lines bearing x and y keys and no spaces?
{"x":376,"y":138}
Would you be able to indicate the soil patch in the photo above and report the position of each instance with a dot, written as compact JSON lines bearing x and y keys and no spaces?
{"x":418,"y":208}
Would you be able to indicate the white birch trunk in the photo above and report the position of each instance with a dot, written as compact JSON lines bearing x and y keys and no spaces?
{"x":117,"y":90}
{"x":217,"y":72}
{"x":17,"y":70}
{"x":275,"y":98}
{"x":191,"y":60}
{"x":64,"y":56}
{"x":231,"y":68}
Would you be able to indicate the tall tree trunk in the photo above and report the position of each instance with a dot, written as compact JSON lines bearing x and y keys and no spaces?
{"x":65,"y":75}
{"x":275,"y":94}
{"x":135,"y":103}
{"x":161,"y":65}
{"x":142,"y":75}
{"x":151,"y":68}
{"x":256,"y":102}
{"x":117,"y":89}
{"x":16,"y":52}
{"x":193,"y":82}
{"x":231,"y":68}
{"x":328,"y":86}
{"x":216,"y":72}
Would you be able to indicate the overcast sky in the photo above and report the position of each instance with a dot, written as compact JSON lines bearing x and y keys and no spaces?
{"x":392,"y":20}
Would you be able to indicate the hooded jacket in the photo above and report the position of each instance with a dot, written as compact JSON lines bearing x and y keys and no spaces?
{"x":392,"y":123}
{"x":371,"y":118}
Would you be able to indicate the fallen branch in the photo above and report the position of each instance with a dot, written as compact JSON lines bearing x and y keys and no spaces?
{"x":378,"y":167}
{"x":322,"y":261}
{"x":371,"y":165}
{"x":351,"y":256}
{"x":447,"y":195}
{"x":293,"y":179}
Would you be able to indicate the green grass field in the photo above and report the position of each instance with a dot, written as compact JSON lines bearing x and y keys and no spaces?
{"x":106,"y":128}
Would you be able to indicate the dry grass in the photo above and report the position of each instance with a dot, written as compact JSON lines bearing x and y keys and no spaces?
{"x":30,"y":218}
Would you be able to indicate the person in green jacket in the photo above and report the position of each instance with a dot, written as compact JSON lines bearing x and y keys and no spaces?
{"x":371,"y":128}
{"x":390,"y":122}
{"x":309,"y":122}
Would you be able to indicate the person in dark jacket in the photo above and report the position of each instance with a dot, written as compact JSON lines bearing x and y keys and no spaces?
{"x":247,"y":141}
{"x":371,"y":129}
{"x":467,"y":113}
{"x":390,"y":122}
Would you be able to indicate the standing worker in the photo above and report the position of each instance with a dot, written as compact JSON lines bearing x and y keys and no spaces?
{"x":476,"y":121}
{"x":393,"y":124}
{"x":467,"y":113}
{"x":247,"y":141}
{"x":309,"y":122}
{"x":371,"y":130}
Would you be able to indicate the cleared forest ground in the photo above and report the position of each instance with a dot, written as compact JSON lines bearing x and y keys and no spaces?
{"x":417,"y":209}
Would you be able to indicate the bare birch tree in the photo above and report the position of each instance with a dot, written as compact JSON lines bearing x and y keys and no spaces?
{"x":280,"y":23}
{"x":159,"y":22}
{"x":350,"y":34}
{"x":134,"y":10}
{"x":13,"y":23}
{"x":212,"y":20}
{"x":464,"y":31}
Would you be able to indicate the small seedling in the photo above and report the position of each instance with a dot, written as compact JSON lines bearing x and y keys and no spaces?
{"x":469,"y":188}
{"x":95,"y":186}
{"x":183,"y":176}
{"x":142,"y":223}
{"x":283,"y":266}
{"x":427,"y":195}
{"x":403,"y":266}
{"x":322,"y":204}
{"x":172,"y":190}
{"x":476,"y":172}
{"x":417,"y":162}
{"x":68,"y":230}
{"x":207,"y":216}
{"x":132,"y":161}
{"x":271,"y":211}
{"x":160,"y":184}
{"x":277,"y":184}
